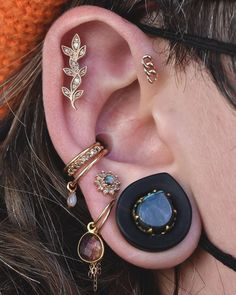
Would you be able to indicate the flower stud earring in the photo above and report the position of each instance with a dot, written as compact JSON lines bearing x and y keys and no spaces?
{"x":107,"y":183}
{"x":75,"y":53}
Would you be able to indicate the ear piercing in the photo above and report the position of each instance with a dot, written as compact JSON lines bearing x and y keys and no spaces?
{"x":75,"y":53}
{"x":107,"y":183}
{"x":154,"y":213}
{"x":91,"y":248}
{"x":149,"y":69}
{"x":80,"y":165}
{"x":82,"y":158}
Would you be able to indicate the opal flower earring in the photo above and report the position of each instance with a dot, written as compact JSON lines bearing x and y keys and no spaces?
{"x":107,"y":183}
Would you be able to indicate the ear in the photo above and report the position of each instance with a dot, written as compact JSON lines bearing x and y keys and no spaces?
{"x":116,"y":107}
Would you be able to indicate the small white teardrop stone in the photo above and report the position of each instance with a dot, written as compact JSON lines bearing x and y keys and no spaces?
{"x":72,"y":200}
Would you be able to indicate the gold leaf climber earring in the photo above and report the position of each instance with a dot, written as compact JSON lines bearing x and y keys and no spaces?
{"x":75,"y":53}
{"x":149,"y":68}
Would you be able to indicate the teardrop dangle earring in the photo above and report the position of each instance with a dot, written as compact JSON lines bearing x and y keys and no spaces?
{"x":91,"y":248}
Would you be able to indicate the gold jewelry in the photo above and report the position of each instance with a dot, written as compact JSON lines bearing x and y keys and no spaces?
{"x":88,"y":167}
{"x":107,"y":183}
{"x":75,"y":53}
{"x":149,"y":68}
{"x":72,"y":198}
{"x":82,"y":158}
{"x":91,"y":248}
{"x":81,"y":164}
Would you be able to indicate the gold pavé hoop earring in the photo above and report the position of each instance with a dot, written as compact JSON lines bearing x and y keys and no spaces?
{"x":75,"y":53}
{"x":149,"y":68}
{"x":80,"y":165}
{"x":91,"y":248}
{"x":82,"y":158}
{"x":85,"y":169}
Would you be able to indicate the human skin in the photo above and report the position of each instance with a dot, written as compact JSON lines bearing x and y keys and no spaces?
{"x":203,"y":143}
{"x":181,"y":125}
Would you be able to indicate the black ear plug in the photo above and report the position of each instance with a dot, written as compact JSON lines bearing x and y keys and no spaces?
{"x":154,"y":213}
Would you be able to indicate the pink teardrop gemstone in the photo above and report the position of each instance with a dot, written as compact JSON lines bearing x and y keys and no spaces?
{"x":90,"y":248}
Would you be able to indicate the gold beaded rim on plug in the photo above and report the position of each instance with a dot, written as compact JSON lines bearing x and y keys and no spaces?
{"x":82,"y":158}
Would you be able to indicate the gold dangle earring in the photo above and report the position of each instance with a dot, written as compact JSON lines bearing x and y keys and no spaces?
{"x":91,"y":247}
{"x":80,"y":165}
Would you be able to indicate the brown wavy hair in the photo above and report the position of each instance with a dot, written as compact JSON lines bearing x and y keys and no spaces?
{"x":38,"y":234}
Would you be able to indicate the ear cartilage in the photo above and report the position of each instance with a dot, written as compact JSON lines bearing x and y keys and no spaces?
{"x":107,"y":183}
{"x":149,"y":68}
{"x":74,"y":53}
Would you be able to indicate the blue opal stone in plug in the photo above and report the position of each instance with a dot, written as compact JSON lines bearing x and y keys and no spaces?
{"x":153,"y":212}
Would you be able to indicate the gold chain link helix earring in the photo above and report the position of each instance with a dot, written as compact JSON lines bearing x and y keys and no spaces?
{"x":149,"y":68}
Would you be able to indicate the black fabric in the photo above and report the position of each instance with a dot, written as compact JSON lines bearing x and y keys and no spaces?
{"x":191,"y":40}
{"x":223,"y":257}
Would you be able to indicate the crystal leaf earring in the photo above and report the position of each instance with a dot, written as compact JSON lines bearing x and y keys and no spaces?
{"x":75,"y":53}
